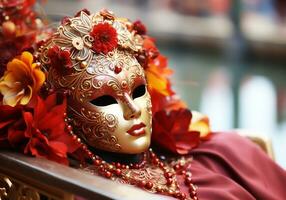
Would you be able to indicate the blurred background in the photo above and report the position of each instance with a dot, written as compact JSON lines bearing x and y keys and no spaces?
{"x":229,"y":56}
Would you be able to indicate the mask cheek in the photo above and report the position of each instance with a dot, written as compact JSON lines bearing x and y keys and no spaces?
{"x":96,"y":125}
{"x":116,"y":111}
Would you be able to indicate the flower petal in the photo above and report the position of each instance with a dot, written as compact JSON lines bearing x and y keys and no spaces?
{"x":154,"y":82}
{"x":170,"y":131}
{"x":39,"y":79}
{"x":12,"y":96}
{"x":27,"y":58}
{"x":200,"y":123}
{"x":19,"y":69}
{"x":27,"y":96}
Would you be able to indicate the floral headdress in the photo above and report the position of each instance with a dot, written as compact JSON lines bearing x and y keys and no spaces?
{"x":28,"y":101}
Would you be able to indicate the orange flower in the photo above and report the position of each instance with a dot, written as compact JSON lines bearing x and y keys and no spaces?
{"x":200,"y":123}
{"x":21,"y":81}
{"x":157,"y":71}
{"x":157,"y":77}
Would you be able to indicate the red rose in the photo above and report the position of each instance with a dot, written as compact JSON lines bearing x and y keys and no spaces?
{"x":60,"y":59}
{"x":105,"y":38}
{"x":171,"y":131}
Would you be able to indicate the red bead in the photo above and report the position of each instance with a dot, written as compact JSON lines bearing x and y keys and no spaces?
{"x":180,"y":195}
{"x":101,"y":169}
{"x":142,"y":183}
{"x":191,"y":186}
{"x":176,"y":167}
{"x":168,"y":174}
{"x":117,"y":69}
{"x":118,"y":172}
{"x":155,"y":161}
{"x":107,"y":174}
{"x":169,"y":181}
{"x":74,"y":137}
{"x":160,"y":190}
{"x":97,"y":162}
{"x":69,"y":128}
{"x":183,"y":172}
{"x":149,"y":185}
{"x":192,"y":193}
{"x":123,"y":166}
{"x":118,"y":165}
{"x":152,"y":155}
{"x":161,"y":164}
{"x":188,"y":180}
{"x":183,"y":196}
{"x":136,"y":166}
{"x":177,"y":194}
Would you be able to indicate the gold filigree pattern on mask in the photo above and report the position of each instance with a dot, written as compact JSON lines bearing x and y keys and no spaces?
{"x":84,"y":83}
{"x":149,"y":109}
{"x":95,"y":127}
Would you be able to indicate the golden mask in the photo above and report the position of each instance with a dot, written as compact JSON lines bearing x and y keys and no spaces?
{"x":108,"y":100}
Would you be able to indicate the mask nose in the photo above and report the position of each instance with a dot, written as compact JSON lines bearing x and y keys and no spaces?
{"x":130,"y":109}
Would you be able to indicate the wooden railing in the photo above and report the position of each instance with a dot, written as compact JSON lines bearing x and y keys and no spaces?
{"x":27,"y":178}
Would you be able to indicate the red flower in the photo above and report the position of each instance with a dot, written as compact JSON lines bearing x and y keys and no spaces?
{"x":60,"y":59}
{"x":50,"y":139}
{"x":9,"y":117}
{"x":42,"y":132}
{"x":105,"y":38}
{"x":139,"y":27}
{"x":83,"y":10}
{"x":171,"y":131}
{"x":161,"y":102}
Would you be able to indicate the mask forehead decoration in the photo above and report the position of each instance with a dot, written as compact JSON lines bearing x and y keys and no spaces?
{"x":93,"y":57}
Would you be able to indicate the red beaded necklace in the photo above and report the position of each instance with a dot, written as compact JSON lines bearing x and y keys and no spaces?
{"x":127,"y":173}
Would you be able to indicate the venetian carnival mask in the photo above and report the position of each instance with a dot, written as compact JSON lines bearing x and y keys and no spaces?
{"x":93,"y":57}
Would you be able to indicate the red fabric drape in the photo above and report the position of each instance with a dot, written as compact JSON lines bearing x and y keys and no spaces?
{"x":230,"y":167}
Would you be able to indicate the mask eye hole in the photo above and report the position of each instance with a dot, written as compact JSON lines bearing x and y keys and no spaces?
{"x":139,"y":91}
{"x":104,"y":100}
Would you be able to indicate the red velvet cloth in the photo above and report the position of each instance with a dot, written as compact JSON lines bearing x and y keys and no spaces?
{"x":230,"y":167}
